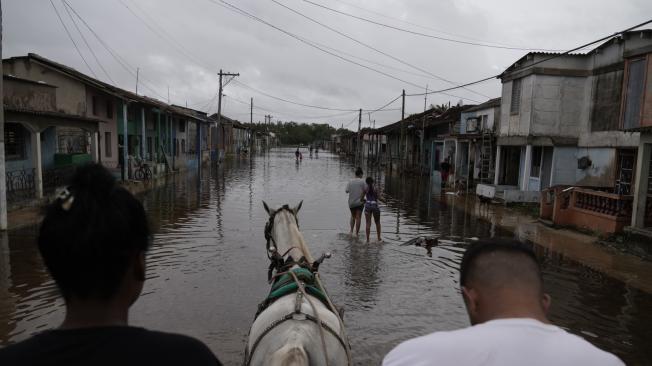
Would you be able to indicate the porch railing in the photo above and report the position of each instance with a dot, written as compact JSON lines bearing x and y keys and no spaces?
{"x":20,"y":185}
{"x":586,"y":208}
{"x":604,"y":203}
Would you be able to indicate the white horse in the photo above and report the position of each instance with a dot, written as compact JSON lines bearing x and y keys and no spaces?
{"x":299,"y":326}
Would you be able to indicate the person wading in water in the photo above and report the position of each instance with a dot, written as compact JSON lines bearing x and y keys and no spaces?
{"x":371,"y":208}
{"x":93,"y":241}
{"x":355,"y":189}
{"x":502,"y":288}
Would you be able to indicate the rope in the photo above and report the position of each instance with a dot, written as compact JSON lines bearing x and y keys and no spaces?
{"x":314,"y":309}
{"x":347,"y":346}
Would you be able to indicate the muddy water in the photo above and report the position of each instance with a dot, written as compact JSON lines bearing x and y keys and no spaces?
{"x":207,"y":266}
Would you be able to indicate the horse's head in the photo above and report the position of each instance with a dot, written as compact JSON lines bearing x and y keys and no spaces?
{"x":283,"y":235}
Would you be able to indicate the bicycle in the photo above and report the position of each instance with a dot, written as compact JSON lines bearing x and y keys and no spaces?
{"x":143,"y":171}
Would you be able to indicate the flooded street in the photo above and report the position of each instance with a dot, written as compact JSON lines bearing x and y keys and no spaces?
{"x":207,"y":268}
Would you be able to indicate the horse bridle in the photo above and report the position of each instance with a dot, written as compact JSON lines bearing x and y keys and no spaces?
{"x":277,"y":260}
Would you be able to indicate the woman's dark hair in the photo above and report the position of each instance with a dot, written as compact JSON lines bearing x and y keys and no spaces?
{"x":370,"y":184}
{"x":91,"y":233}
{"x":358,"y":172}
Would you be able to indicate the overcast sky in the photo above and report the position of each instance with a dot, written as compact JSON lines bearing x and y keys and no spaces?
{"x":183,"y":44}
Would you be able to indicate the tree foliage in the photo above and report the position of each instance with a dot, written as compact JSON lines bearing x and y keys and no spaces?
{"x":293,"y":133}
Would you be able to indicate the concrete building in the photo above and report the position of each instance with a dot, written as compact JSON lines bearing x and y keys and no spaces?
{"x":41,"y":141}
{"x":560,"y":121}
{"x":476,"y":143}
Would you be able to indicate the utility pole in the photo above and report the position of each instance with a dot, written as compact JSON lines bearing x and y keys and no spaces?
{"x":3,"y":181}
{"x":401,"y":152}
{"x":137,"y":73}
{"x":219,"y":96}
{"x":358,"y":152}
{"x":168,"y":94}
{"x":251,"y":112}
{"x":423,"y":130}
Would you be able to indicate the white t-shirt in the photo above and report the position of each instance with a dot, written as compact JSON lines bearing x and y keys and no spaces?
{"x":355,"y":189}
{"x":501,"y":342}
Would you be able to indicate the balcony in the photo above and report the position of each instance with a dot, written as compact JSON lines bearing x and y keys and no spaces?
{"x":585,"y":208}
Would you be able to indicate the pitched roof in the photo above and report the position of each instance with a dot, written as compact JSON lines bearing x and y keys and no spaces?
{"x":491,"y":103}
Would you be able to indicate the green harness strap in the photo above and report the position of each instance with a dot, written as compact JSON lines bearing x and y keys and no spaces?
{"x":286,"y":285}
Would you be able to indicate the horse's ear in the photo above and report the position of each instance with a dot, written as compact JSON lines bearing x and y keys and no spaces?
{"x":269,"y":210}
{"x":296,"y":209}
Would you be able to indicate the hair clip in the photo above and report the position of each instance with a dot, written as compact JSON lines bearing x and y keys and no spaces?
{"x":66,"y":199}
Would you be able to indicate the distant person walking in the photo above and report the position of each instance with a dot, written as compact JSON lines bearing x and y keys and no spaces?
{"x":371,"y":208}
{"x":356,"y":188}
{"x":502,"y":288}
{"x":297,"y":154}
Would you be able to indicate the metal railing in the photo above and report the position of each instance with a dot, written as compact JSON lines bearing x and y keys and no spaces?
{"x":20,"y":185}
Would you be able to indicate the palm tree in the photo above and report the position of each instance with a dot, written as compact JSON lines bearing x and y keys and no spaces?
{"x":440,"y":108}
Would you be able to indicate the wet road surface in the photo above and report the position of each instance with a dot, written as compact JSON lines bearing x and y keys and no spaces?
{"x":207,"y":267}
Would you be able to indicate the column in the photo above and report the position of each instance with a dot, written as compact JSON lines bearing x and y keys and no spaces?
{"x":125,"y":143}
{"x":527,"y":166}
{"x":38,"y":164}
{"x":158,"y":136}
{"x":143,"y":143}
{"x":641,"y":184}
{"x":497,"y":167}
{"x":95,"y":152}
{"x":198,"y":145}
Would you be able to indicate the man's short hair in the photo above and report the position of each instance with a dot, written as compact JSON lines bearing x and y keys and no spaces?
{"x":359,"y":172}
{"x":510,"y":260}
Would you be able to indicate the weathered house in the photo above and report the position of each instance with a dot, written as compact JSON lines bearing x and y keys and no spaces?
{"x":636,"y":115}
{"x":41,"y":140}
{"x":476,"y":145}
{"x":560,"y":122}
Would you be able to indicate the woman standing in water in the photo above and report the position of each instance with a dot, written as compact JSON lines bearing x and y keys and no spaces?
{"x":371,"y":208}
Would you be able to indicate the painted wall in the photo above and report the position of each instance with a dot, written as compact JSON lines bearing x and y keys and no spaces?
{"x":601,"y":173}
{"x":557,"y":105}
{"x":491,"y":114}
{"x":27,"y":95}
{"x":70,"y":93}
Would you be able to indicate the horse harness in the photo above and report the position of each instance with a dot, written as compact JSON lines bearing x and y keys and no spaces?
{"x":303,"y":280}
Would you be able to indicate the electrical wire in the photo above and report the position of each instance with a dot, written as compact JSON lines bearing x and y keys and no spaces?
{"x":311,"y":44}
{"x":374,"y":48}
{"x":123,"y":63}
{"x":72,"y":39}
{"x":425,"y":34}
{"x":540,"y":61}
{"x":423,"y":26}
{"x":87,"y":44}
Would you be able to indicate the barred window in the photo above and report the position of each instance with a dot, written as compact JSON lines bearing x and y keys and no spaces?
{"x":14,"y":141}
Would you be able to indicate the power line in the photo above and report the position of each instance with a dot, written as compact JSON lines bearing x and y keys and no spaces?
{"x":540,"y":61}
{"x":87,"y":44}
{"x":374,"y":48}
{"x":426,"y":27}
{"x":425,"y":34}
{"x":289,"y":114}
{"x":311,"y":44}
{"x":72,"y":39}
{"x":160,"y":35}
{"x":123,"y":63}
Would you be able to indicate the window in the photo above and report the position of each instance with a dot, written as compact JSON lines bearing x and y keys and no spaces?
{"x":14,"y":141}
{"x":485,"y":120}
{"x":516,"y":97}
{"x":107,"y":144}
{"x":94,"y":105}
{"x":182,"y":125}
{"x":634,"y":93}
{"x":109,"y":109}
{"x":537,"y":155}
{"x":183,"y":146}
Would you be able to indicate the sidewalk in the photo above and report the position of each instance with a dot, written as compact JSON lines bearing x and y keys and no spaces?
{"x":32,"y":215}
{"x":579,"y":247}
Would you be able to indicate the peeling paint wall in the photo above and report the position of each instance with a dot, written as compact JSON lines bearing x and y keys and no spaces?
{"x":27,"y":95}
{"x":601,"y":173}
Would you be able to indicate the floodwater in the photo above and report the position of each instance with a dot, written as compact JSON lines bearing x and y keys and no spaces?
{"x":207,"y":267}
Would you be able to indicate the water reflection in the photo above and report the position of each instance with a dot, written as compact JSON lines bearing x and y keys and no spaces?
{"x":207,"y":265}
